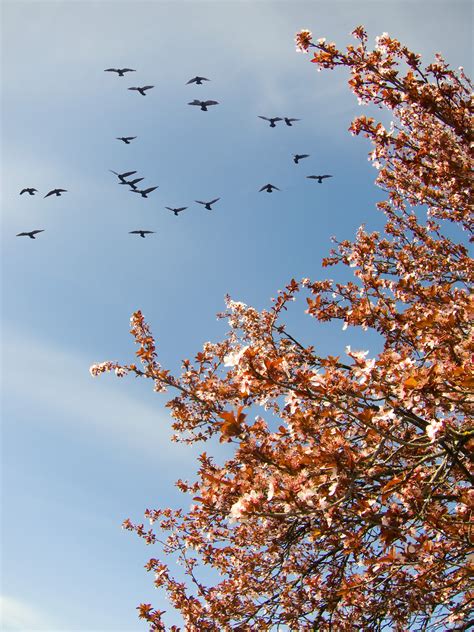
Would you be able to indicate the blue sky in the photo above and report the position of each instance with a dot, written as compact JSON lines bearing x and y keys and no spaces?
{"x":79,"y":455}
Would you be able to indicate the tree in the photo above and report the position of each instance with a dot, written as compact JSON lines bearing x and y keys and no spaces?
{"x":347,"y":503}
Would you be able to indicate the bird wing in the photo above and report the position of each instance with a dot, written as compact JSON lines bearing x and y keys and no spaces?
{"x":22,"y":234}
{"x":212,"y":201}
{"x":48,"y":194}
{"x":130,"y":137}
{"x":149,"y":190}
{"x":265,"y":186}
{"x":199,"y":202}
{"x":134,"y":88}
{"x":35,"y":232}
{"x":292,"y":119}
{"x":303,"y":156}
{"x":326,"y":176}
{"x":277,"y":118}
{"x":61,"y":190}
{"x":182,"y":208}
{"x":134,"y":181}
{"x":126,"y":174}
{"x":23,"y":191}
{"x":127,"y":70}
{"x":195,"y":102}
{"x":193,"y":80}
{"x":147,"y":87}
{"x":210,"y":102}
{"x":264,"y":118}
{"x":313,"y":177}
{"x":111,"y":70}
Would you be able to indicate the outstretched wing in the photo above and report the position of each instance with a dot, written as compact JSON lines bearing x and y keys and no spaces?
{"x":264,"y":118}
{"x":127,"y":70}
{"x":48,"y":194}
{"x":147,"y":87}
{"x":149,"y":190}
{"x":265,"y":186}
{"x":210,"y":103}
{"x":325,"y":176}
{"x":301,"y":156}
{"x":212,"y":201}
{"x":195,"y":102}
{"x":111,"y":70}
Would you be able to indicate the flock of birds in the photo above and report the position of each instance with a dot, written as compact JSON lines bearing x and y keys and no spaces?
{"x":269,"y":188}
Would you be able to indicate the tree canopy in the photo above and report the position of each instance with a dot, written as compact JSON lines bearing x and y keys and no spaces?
{"x":347,"y":502}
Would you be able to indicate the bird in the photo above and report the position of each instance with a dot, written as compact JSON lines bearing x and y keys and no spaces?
{"x":144,"y":192}
{"x":207,"y":205}
{"x":142,"y":233}
{"x":120,"y":71}
{"x":132,"y":183}
{"x":122,"y":176}
{"x":298,"y":157}
{"x":197,"y":80}
{"x":269,"y":188}
{"x":203,"y":104}
{"x":289,"y":121}
{"x":29,"y":190}
{"x":272,"y":120}
{"x":176,"y":210}
{"x":31,"y":234}
{"x":319,"y":178}
{"x":126,"y":139}
{"x":142,"y":90}
{"x":56,"y":192}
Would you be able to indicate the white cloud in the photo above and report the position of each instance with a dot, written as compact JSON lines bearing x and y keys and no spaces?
{"x":16,"y":614}
{"x":56,"y":384}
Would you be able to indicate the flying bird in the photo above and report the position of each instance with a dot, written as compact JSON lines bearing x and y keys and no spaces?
{"x":31,"y":234}
{"x":142,"y":233}
{"x":319,"y":178}
{"x":289,"y":121}
{"x":272,"y":120}
{"x":298,"y":157}
{"x":29,"y":190}
{"x":142,"y":90}
{"x":197,"y":80}
{"x":176,"y":210}
{"x":144,"y":192}
{"x":203,"y":104}
{"x":132,"y":183}
{"x":122,"y":176}
{"x":56,"y":192}
{"x":126,"y":139}
{"x":269,"y":188}
{"x":208,"y":205}
{"x":120,"y":71}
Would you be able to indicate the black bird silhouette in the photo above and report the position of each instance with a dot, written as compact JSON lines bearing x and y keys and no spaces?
{"x":122,"y":176}
{"x":289,"y":121}
{"x":197,"y":80}
{"x":207,"y":205}
{"x":31,"y":234}
{"x":142,"y":90}
{"x":272,"y":120}
{"x":120,"y":71}
{"x":203,"y":104}
{"x":298,"y":157}
{"x":29,"y":190}
{"x":176,"y":210}
{"x":319,"y":178}
{"x":126,"y":139}
{"x":132,"y":183}
{"x":142,"y":233}
{"x":56,"y":192}
{"x":144,"y":192}
{"x":269,"y":188}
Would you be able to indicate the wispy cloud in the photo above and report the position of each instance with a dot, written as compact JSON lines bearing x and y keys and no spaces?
{"x":57,"y":382}
{"x":16,"y":614}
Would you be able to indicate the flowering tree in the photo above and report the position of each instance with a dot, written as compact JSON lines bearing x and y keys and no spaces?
{"x":347,"y":503}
